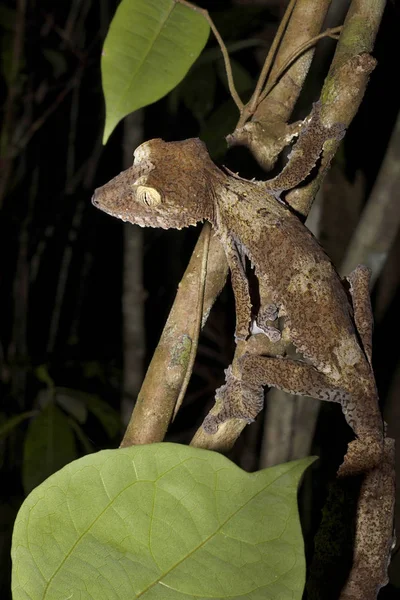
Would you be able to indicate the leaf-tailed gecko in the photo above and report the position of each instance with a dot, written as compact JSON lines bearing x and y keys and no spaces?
{"x":176,"y":184}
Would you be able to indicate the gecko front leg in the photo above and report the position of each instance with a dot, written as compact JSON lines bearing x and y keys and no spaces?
{"x":306,"y":152}
{"x":266,"y":315}
{"x":240,"y":287}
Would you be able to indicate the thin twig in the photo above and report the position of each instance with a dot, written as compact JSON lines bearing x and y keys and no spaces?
{"x":18,"y":44}
{"x":63,"y":277}
{"x":225,"y":54}
{"x":333,"y":33}
{"x":71,"y":21}
{"x":36,"y":125}
{"x":254,"y":100}
{"x":211,"y":54}
{"x":9,"y":108}
{"x":72,"y":147}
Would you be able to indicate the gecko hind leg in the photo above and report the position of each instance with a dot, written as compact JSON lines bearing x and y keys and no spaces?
{"x":243,"y":397}
{"x":289,"y":375}
{"x":296,"y":377}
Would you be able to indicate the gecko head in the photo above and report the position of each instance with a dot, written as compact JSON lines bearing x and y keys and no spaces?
{"x":168,"y":186}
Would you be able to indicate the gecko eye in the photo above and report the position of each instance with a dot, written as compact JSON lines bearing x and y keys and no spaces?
{"x":148,"y":195}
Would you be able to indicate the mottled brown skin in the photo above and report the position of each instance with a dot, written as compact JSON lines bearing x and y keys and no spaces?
{"x":173,"y":185}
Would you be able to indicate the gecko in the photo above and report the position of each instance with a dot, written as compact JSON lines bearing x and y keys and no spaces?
{"x":175,"y":185}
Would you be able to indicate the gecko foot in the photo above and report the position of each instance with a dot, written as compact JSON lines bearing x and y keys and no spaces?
{"x":273,"y":333}
{"x":362,"y":456}
{"x":234,"y":400}
{"x":241,"y":336}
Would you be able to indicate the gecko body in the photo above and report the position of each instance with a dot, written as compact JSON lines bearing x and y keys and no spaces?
{"x":174,"y":185}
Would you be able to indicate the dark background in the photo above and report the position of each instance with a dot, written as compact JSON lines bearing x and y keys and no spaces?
{"x":61,"y":276}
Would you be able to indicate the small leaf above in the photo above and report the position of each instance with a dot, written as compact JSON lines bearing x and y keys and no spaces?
{"x":149,"y":48}
{"x":162,"y":521}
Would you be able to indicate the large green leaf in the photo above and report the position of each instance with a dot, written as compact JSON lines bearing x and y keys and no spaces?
{"x":150,"y":46}
{"x":49,"y":445}
{"x":160,"y":522}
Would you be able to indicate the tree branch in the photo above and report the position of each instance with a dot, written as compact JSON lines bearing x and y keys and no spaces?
{"x":268,"y":131}
{"x":157,"y":398}
{"x":350,"y":71}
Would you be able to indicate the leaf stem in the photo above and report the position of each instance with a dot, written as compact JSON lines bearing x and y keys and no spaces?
{"x":225,"y":54}
{"x":254,"y":100}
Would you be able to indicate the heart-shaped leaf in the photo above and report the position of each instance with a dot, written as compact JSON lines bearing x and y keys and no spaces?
{"x":150,"y":46}
{"x":162,"y":521}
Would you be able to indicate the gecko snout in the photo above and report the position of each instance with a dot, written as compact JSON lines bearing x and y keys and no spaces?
{"x":95,"y":199}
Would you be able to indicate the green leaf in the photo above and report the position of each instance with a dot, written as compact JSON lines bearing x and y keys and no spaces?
{"x":198,"y":90}
{"x":72,"y":403}
{"x":42,"y":373}
{"x":161,"y":522}
{"x":221,"y":122}
{"x":108,"y":417}
{"x":82,"y":437}
{"x":8,"y":16}
{"x":57,"y":60}
{"x":49,"y":445}
{"x":7,"y":426}
{"x":149,"y":48}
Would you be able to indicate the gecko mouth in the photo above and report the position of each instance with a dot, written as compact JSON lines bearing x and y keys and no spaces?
{"x":136,"y":218}
{"x":95,"y":201}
